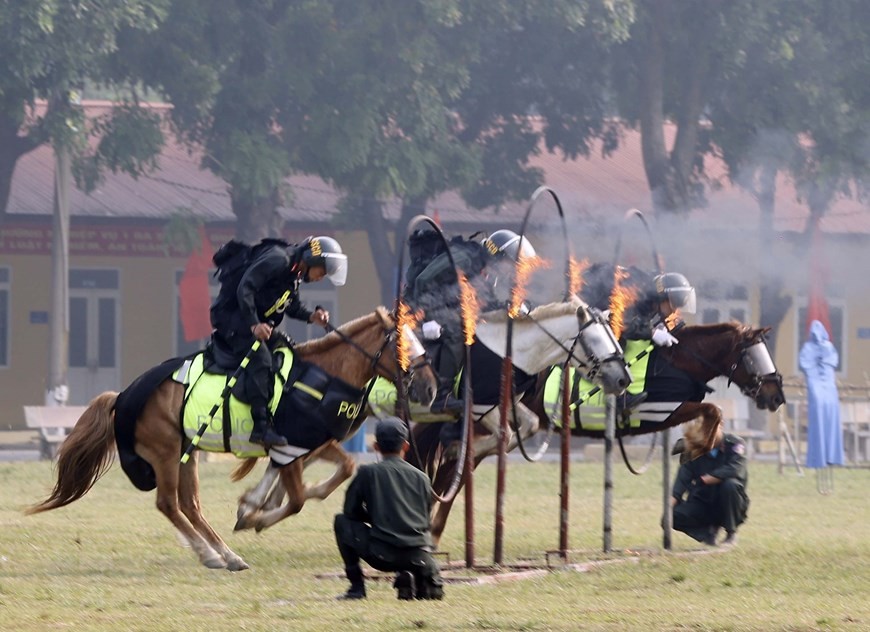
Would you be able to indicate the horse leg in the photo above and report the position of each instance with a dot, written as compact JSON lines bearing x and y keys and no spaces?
{"x":528,"y":422}
{"x":291,"y":480}
{"x":253,"y":500}
{"x":188,"y":496}
{"x":159,"y":442}
{"x":345,"y":467}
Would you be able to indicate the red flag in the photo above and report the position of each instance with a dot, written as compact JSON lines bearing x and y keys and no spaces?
{"x":193,"y":292}
{"x":817,"y":302}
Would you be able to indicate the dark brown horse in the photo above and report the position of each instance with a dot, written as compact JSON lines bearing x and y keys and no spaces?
{"x":354,"y":354}
{"x":676,"y":379}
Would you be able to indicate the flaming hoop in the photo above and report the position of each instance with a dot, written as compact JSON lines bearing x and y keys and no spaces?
{"x":620,"y":299}
{"x":525,"y":267}
{"x":575,"y":274}
{"x":469,"y":307}
{"x":403,"y":345}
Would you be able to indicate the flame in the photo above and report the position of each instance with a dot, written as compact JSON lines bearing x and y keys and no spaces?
{"x":575,"y":274}
{"x":469,"y":307}
{"x":403,"y":345}
{"x":620,"y":299}
{"x":524,"y":269}
{"x":672,"y":320}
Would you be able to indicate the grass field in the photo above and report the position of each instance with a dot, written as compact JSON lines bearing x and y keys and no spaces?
{"x":111,"y":562}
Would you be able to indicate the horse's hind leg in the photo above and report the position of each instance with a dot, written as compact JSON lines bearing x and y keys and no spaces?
{"x":345,"y":467}
{"x":188,"y":495}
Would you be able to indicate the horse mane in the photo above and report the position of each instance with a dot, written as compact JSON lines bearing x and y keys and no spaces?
{"x":542,"y":312}
{"x":349,"y":329}
{"x":734,"y":327}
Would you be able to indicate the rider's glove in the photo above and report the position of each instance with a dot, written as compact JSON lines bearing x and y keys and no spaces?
{"x":662,"y":337}
{"x":431,"y":330}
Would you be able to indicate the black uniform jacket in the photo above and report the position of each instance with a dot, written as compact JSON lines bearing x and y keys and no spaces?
{"x":729,"y":461}
{"x":268,"y":290}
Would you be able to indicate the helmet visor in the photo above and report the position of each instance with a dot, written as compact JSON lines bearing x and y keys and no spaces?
{"x":336,"y":267}
{"x":517,"y":248}
{"x":682,"y":298}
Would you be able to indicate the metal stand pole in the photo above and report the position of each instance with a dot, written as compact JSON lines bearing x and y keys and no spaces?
{"x":667,"y":518}
{"x":609,"y":435}
{"x":565,"y":453}
{"x":501,"y":478}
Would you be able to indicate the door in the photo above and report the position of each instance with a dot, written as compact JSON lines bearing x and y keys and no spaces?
{"x":93,"y":334}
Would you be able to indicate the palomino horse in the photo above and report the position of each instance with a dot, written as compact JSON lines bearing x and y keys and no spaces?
{"x":676,"y":380}
{"x":354,"y":353}
{"x":549,"y":334}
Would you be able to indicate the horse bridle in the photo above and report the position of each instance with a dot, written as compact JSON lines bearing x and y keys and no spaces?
{"x":591,"y":363}
{"x":750,"y":362}
{"x":389,"y":336}
{"x":757,"y":380}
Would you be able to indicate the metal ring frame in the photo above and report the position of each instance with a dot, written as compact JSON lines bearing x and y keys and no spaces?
{"x":659,"y":265}
{"x":402,"y":405}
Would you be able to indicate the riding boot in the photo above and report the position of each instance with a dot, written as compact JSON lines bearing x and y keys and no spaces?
{"x":445,"y":401}
{"x":263,"y":431}
{"x":357,"y":588}
{"x":629,"y":401}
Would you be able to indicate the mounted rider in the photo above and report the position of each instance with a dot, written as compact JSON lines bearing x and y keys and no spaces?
{"x":252,"y":303}
{"x":435,"y":291}
{"x":651,"y":317}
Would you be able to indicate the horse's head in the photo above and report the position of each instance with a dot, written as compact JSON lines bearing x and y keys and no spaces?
{"x":552,"y":333}
{"x":752,"y":369}
{"x":602,"y":360}
{"x":406,"y":358}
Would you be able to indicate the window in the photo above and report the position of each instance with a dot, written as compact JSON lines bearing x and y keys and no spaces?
{"x":720,"y":302}
{"x":4,"y":316}
{"x":182,"y":346}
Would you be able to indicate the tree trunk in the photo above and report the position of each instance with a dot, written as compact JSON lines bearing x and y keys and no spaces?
{"x":382,"y":251}
{"x":386,"y":255}
{"x":256,"y":217}
{"x":775,"y":302}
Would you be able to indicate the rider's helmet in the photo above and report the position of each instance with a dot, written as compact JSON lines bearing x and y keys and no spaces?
{"x":506,"y":243}
{"x":325,"y":252}
{"x":676,"y":289}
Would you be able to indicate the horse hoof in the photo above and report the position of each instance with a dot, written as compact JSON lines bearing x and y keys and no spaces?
{"x":215,"y":563}
{"x":237,"y":564}
{"x":242,"y":524}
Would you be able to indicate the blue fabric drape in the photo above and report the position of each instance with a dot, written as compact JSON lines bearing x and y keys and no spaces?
{"x":818,"y":361}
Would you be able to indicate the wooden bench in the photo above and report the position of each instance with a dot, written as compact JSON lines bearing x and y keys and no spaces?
{"x":855,"y":421}
{"x":53,"y":424}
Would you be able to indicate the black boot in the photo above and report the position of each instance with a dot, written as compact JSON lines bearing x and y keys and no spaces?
{"x":404,"y":585}
{"x":629,"y":401}
{"x":263,"y":432}
{"x":357,"y":588}
{"x":445,"y":402}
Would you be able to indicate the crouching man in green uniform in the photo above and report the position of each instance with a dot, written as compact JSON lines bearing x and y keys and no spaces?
{"x":709,"y":492}
{"x":386,"y":521}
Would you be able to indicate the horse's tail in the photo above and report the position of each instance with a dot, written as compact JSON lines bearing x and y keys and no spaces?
{"x":85,"y":455}
{"x":243,"y":469}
